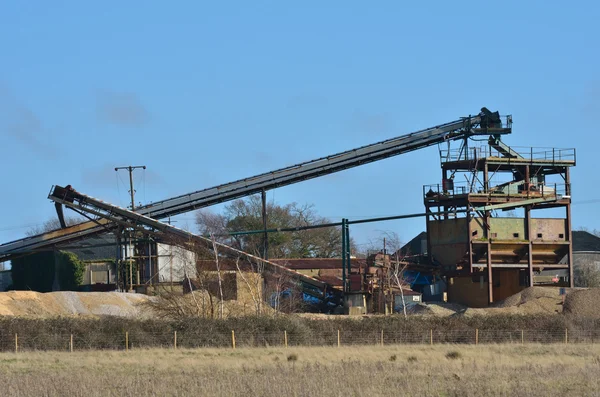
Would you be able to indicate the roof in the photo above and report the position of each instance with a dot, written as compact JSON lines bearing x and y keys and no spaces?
{"x":93,"y":248}
{"x":416,"y":246}
{"x":585,"y":241}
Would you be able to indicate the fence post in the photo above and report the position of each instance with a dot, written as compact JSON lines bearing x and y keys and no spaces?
{"x":126,"y":341}
{"x":476,"y":336}
{"x":232,"y":339}
{"x":71,"y":343}
{"x":285,"y":338}
{"x":16,"y":343}
{"x":522,"y":337}
{"x":566,"y":336}
{"x":381,"y":337}
{"x":339,"y":342}
{"x":431,"y":336}
{"x":175,"y":339}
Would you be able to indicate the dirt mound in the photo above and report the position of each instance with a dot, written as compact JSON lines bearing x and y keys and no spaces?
{"x":583,"y":303}
{"x":548,"y":294}
{"x":52,"y":304}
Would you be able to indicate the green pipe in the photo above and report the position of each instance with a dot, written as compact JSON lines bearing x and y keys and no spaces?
{"x":347,"y":253}
{"x":344,"y":275}
{"x":335,"y":224}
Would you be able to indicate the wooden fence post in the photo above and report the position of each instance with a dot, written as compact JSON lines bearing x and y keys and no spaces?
{"x":71,"y":343}
{"x":522,"y":337}
{"x":339,"y":341}
{"x":232,"y":339}
{"x":431,"y":336}
{"x":566,"y":336}
{"x":126,"y":341}
{"x":381,"y":337}
{"x":16,"y":343}
{"x":285,"y":338}
{"x":476,"y":336}
{"x":175,"y":339}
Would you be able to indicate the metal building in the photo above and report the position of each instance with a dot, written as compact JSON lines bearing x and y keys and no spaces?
{"x":487,"y":256}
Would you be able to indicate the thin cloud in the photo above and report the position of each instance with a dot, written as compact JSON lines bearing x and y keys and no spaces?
{"x":24,"y":125}
{"x":591,"y":99}
{"x":371,"y":123}
{"x":123,"y":109}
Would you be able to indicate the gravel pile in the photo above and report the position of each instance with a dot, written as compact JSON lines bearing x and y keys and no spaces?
{"x":583,"y":303}
{"x":530,"y":294}
{"x":52,"y":304}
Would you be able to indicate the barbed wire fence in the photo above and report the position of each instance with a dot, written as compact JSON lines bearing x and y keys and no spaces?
{"x":239,"y":339}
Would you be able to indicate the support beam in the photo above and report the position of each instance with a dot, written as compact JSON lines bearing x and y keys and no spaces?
{"x":427,"y":219}
{"x":530,"y":245}
{"x":347,"y":254}
{"x":569,"y":231}
{"x":470,"y":242}
{"x":489,"y":261}
{"x":344,"y":275}
{"x":264,"y":219}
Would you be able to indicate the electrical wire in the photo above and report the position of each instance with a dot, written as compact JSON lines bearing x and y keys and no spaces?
{"x":118,"y":188}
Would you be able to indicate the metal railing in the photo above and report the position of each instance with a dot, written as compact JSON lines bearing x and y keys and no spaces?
{"x":497,"y":189}
{"x":550,"y":155}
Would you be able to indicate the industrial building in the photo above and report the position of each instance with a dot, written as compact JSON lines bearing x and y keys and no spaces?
{"x":486,"y":258}
{"x":469,"y":250}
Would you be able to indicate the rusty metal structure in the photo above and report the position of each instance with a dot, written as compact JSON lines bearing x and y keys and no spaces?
{"x":484,"y":255}
{"x":460,"y":129}
{"x":466,"y":240}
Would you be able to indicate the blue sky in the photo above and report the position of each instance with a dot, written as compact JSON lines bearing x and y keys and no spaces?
{"x":204,"y":93}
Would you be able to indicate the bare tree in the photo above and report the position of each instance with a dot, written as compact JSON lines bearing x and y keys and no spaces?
{"x":52,"y":224}
{"x":393,"y":275}
{"x":216,"y":252}
{"x":253,"y":288}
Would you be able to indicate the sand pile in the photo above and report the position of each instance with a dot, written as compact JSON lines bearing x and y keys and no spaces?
{"x":531,"y":294}
{"x":583,"y":303}
{"x":51,"y":304}
{"x":532,"y":300}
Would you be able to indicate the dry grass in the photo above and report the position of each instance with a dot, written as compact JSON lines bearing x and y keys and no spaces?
{"x":496,"y":370}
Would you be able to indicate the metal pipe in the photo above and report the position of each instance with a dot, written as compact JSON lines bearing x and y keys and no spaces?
{"x":344,"y":275}
{"x":335,"y":224}
{"x":347,"y":254}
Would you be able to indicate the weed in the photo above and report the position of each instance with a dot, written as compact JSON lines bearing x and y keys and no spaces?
{"x":453,"y":355}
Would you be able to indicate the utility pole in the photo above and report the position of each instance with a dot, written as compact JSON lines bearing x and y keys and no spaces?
{"x":264,"y":219}
{"x":132,"y":192}
{"x":130,"y":169}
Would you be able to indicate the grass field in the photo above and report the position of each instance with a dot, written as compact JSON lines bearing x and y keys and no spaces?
{"x":439,"y":370}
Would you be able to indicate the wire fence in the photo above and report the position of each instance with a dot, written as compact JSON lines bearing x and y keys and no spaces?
{"x":238,"y":338}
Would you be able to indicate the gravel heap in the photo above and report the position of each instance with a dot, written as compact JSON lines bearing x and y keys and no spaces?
{"x":530,"y":294}
{"x":52,"y":304}
{"x":583,"y":303}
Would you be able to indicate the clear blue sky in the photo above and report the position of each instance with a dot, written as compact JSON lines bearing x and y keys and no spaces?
{"x":207,"y":92}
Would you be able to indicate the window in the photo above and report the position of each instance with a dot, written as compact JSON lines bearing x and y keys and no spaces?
{"x":474,"y":233}
{"x":516,"y":235}
{"x":561,"y":235}
{"x":539,"y":235}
